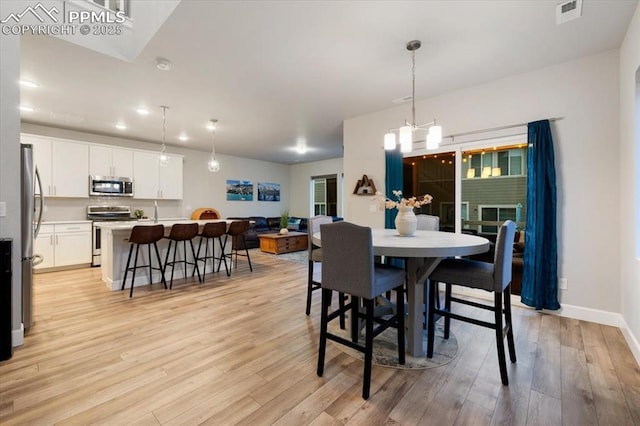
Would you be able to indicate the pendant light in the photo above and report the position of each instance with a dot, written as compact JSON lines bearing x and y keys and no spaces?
{"x":213,"y":165}
{"x":405,"y":133}
{"x":163,"y":158}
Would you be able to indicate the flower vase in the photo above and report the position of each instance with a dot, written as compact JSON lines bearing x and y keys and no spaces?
{"x":406,"y":221}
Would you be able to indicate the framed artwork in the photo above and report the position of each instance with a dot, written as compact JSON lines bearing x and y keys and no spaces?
{"x":239,"y":190}
{"x":268,"y":191}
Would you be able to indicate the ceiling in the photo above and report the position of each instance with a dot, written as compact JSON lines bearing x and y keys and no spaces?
{"x":276,"y":72}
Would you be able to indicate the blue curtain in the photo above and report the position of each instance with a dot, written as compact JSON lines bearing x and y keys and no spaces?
{"x":540,"y":276}
{"x":393,"y":180}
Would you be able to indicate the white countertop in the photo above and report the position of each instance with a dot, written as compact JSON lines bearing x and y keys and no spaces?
{"x":128,"y":225}
{"x":61,"y":222}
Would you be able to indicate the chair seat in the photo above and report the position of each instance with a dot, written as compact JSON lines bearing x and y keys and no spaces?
{"x":386,"y":279}
{"x":316,"y":255}
{"x":470,"y":273}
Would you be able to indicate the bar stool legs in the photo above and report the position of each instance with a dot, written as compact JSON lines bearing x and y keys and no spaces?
{"x":144,"y":235}
{"x":182,"y":232}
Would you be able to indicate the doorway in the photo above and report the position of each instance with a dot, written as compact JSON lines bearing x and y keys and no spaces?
{"x":324,"y":195}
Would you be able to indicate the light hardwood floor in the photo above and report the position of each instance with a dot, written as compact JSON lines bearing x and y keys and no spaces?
{"x":240,"y":350}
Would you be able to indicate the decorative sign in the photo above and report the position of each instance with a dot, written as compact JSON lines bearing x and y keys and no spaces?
{"x":239,"y":190}
{"x":268,"y":191}
{"x":365,"y":186}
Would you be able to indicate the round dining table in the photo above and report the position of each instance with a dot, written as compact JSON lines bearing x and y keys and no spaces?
{"x":422,"y":253}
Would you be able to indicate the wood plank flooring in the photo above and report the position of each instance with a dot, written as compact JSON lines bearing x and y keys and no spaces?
{"x":240,"y":350}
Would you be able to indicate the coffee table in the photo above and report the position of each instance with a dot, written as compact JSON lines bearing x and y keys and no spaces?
{"x":283,"y":243}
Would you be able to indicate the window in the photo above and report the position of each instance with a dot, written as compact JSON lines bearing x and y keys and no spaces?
{"x":495,"y":214}
{"x":486,"y":163}
{"x":325,"y":195}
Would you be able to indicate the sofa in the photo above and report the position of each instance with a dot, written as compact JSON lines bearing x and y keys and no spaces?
{"x":265,"y":225}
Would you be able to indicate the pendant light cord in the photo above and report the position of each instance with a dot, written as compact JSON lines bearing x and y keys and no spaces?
{"x":413,"y":88}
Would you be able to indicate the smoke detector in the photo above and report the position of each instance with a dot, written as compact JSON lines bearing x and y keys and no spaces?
{"x":163,"y":64}
{"x":568,"y":10}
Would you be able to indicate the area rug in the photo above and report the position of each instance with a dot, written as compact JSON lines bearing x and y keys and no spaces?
{"x":295,"y":257}
{"x":385,"y":348}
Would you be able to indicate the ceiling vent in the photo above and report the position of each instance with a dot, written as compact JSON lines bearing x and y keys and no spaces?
{"x":402,"y":99}
{"x":568,"y":10}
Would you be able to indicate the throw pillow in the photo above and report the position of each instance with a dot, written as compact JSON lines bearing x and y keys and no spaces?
{"x":293,"y":224}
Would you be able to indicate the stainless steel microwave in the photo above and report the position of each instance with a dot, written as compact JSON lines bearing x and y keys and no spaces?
{"x":110,"y":186}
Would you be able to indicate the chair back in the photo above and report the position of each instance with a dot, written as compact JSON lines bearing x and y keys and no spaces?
{"x":214,"y":229}
{"x":183,"y":231}
{"x":347,"y":259}
{"x":428,"y":223}
{"x":146,"y":234}
{"x":503,"y":255}
{"x":313,"y":227}
{"x":238,"y":227}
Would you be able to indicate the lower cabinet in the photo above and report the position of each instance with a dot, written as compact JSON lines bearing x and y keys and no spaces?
{"x":63,"y":245}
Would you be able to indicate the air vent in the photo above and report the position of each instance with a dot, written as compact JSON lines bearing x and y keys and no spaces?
{"x":568,"y":11}
{"x":402,"y":99}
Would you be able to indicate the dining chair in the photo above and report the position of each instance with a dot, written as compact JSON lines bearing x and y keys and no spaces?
{"x":493,"y":277}
{"x":348,"y":267}
{"x":429,"y":223}
{"x":315,"y":255}
{"x":144,"y":235}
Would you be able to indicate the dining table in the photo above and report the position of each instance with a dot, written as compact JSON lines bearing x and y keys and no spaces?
{"x":422,"y":252}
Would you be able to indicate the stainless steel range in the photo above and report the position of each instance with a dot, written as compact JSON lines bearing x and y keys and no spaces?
{"x":104,"y":214}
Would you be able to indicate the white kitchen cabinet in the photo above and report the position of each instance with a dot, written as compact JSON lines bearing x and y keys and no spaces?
{"x":63,"y":166}
{"x":43,"y":245}
{"x":63,"y":244}
{"x":152,"y":181}
{"x":110,"y":161}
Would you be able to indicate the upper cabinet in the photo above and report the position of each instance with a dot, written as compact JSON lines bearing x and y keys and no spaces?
{"x":63,"y":166}
{"x":110,"y":161}
{"x":152,"y":181}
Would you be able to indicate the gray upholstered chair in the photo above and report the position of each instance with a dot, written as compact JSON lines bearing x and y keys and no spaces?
{"x":494,"y":277}
{"x":348,"y":267}
{"x":315,"y":254}
{"x":428,"y":223}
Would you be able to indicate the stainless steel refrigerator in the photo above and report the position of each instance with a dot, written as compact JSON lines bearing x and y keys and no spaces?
{"x":31,"y":203}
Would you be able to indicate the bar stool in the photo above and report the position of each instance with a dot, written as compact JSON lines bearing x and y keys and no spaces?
{"x":237,"y":230}
{"x":144,"y":235}
{"x":182,"y":232}
{"x":211,"y":231}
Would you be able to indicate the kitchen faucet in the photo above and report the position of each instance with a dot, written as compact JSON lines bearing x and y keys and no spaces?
{"x":155,"y":211}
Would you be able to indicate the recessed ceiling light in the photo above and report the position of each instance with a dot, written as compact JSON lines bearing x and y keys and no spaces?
{"x":121,"y":126}
{"x":163,"y":64}
{"x":27,"y":83}
{"x":142,"y":111}
{"x":25,"y":108}
{"x":301,"y":149}
{"x":183,"y":137}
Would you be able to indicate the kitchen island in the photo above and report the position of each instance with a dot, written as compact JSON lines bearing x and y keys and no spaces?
{"x":115,"y":250}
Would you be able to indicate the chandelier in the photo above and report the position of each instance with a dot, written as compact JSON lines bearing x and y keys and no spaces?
{"x":163,"y":158}
{"x":213,"y":165}
{"x":434,"y":133}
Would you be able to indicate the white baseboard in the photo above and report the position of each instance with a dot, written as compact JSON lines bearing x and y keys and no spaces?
{"x":571,"y":311}
{"x":17,"y":336}
{"x":633,"y":343}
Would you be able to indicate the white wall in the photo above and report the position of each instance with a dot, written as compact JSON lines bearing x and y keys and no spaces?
{"x":301,"y":175}
{"x":586,"y":93}
{"x":10,"y":166}
{"x":630,"y":180}
{"x":201,"y":188}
